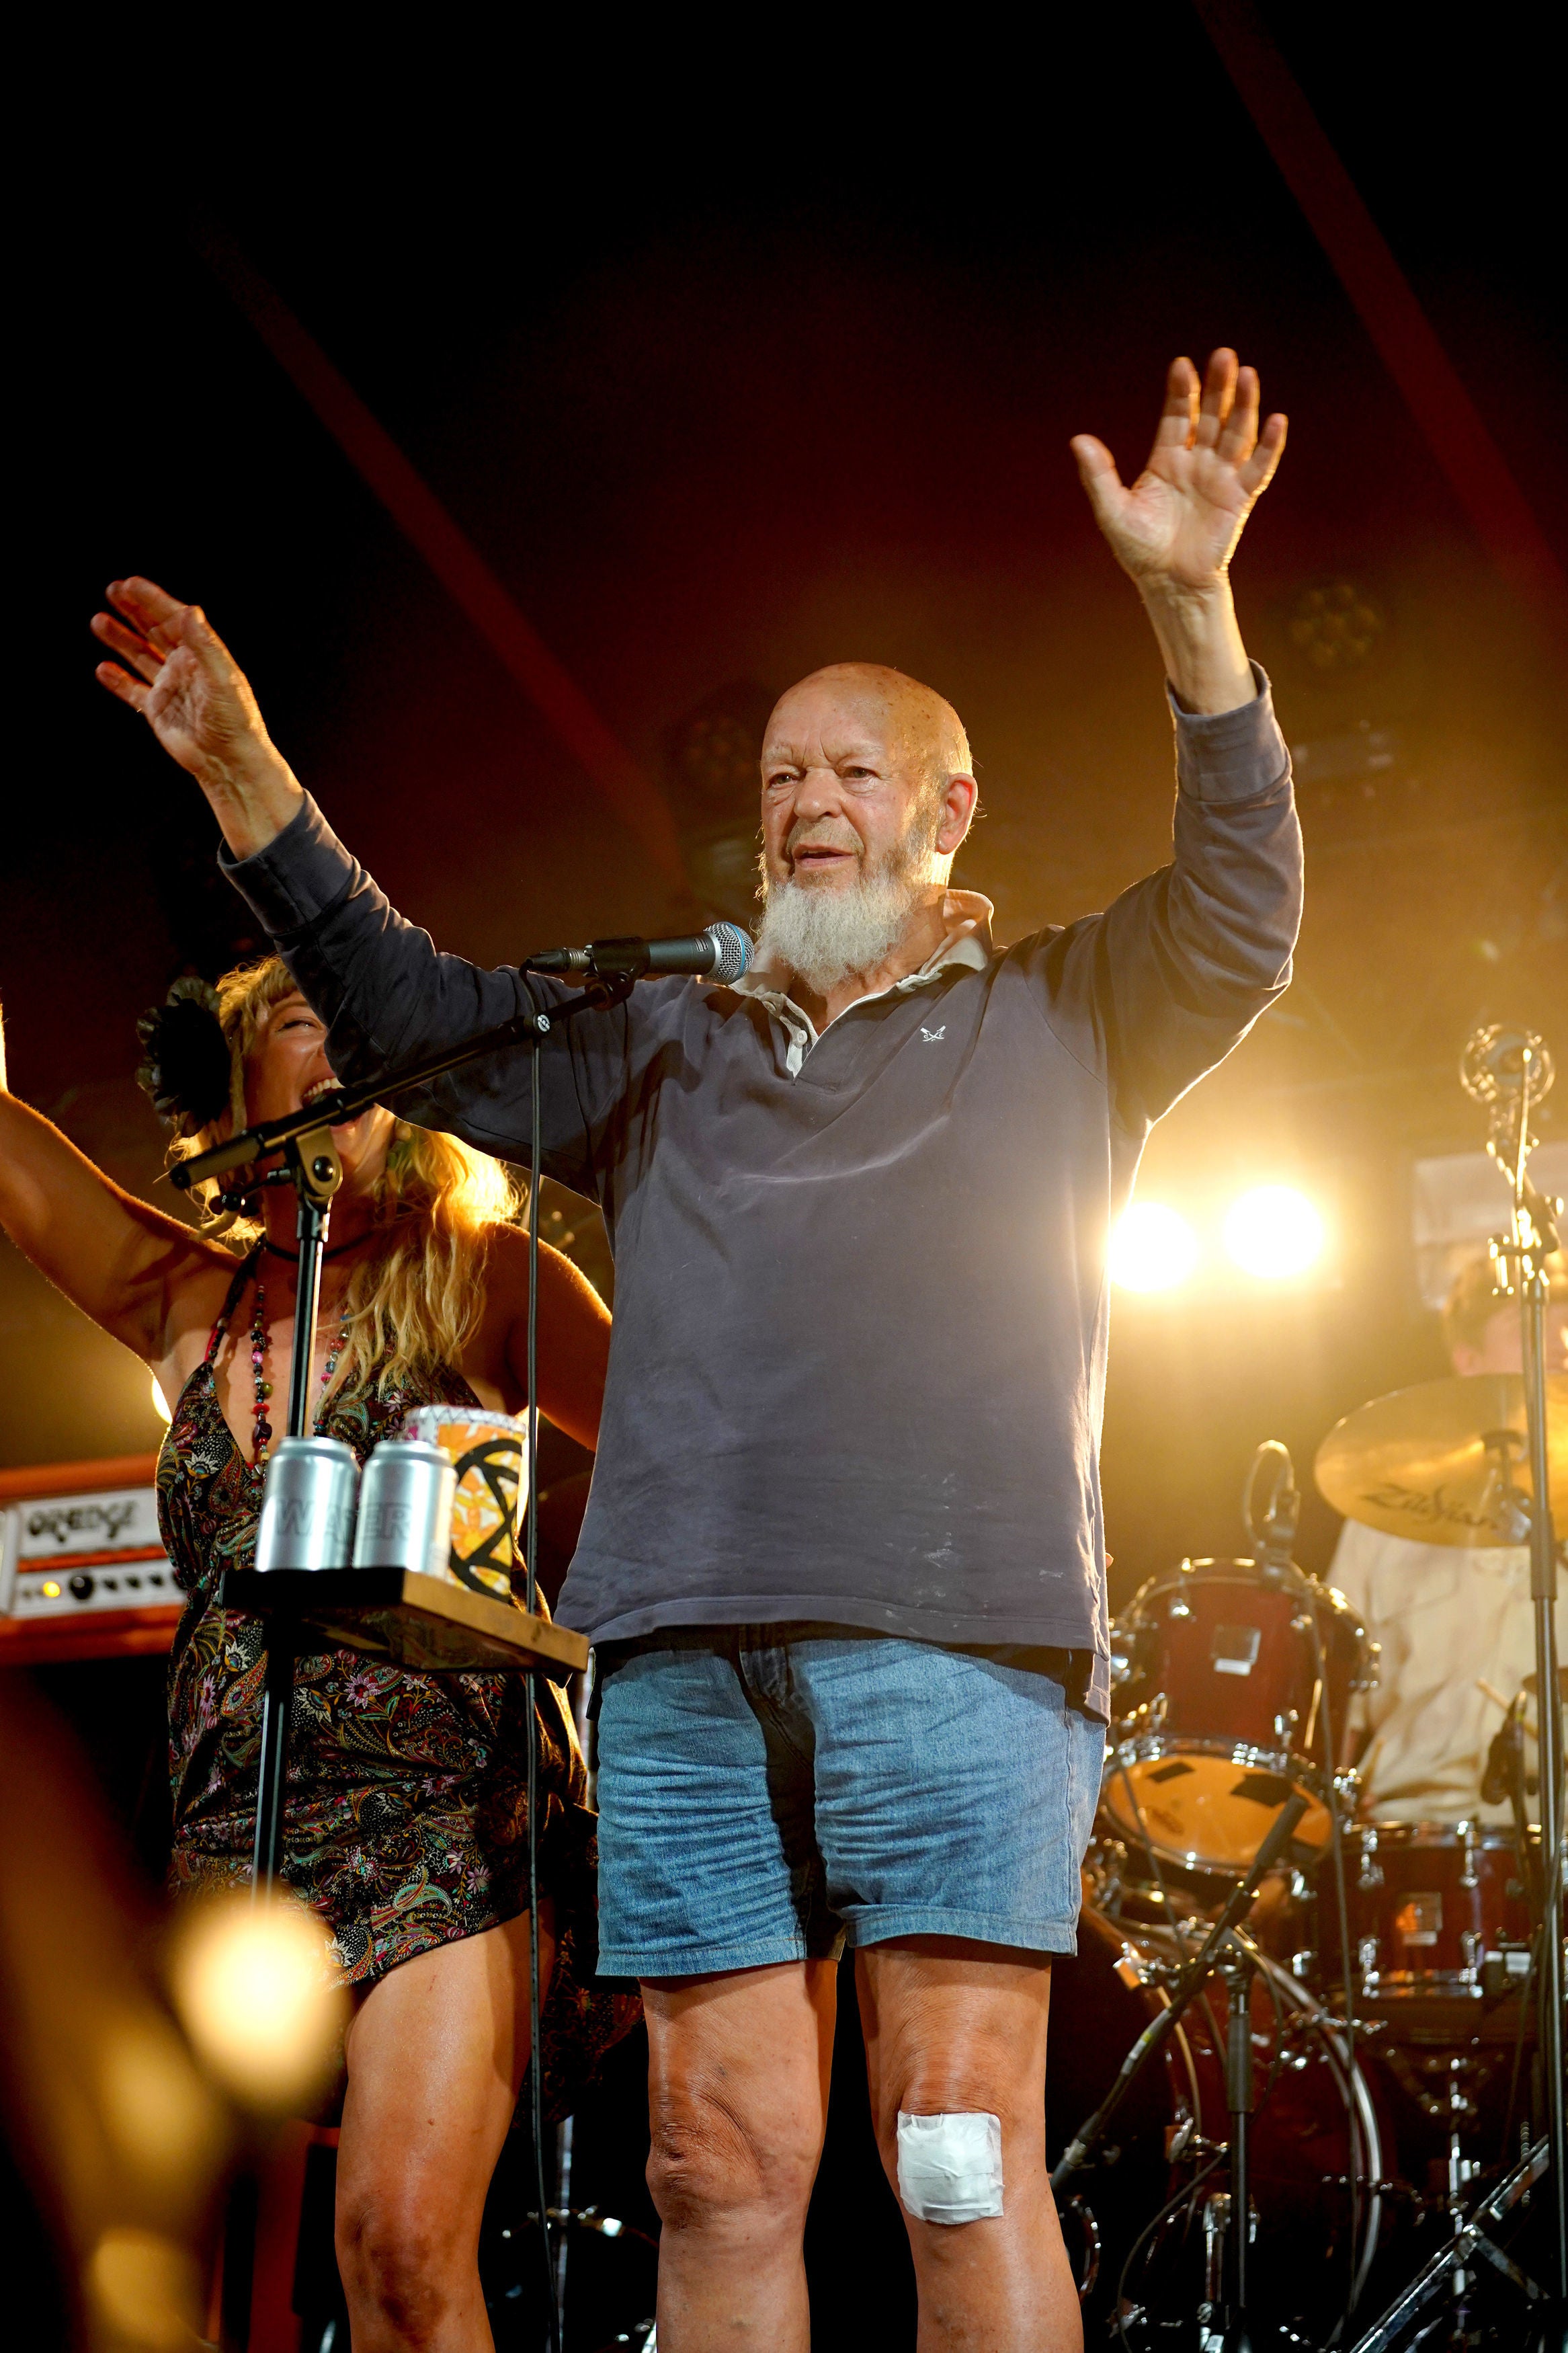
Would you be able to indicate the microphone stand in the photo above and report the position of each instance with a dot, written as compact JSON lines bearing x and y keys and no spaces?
{"x":1510,"y":1072}
{"x":310,"y":1162}
{"x":1235,"y":1959}
{"x":1521,"y":1258}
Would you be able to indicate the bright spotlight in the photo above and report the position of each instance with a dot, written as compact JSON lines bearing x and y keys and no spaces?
{"x":1273,"y":1231}
{"x":1152,"y":1247}
{"x":160,"y":1402}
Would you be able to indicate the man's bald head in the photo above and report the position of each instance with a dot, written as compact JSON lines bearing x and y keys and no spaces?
{"x":866,"y":795}
{"x":919,"y":725}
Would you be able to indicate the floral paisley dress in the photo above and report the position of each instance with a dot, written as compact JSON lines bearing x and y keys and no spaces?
{"x":406,"y":1824}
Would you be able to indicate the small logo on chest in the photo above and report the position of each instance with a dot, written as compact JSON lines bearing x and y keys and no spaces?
{"x":930,"y":1036}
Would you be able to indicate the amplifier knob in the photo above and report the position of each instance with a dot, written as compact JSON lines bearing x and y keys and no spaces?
{"x":81,"y":1585}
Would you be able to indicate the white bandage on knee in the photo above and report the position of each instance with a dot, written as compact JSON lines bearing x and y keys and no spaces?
{"x":950,"y":2167}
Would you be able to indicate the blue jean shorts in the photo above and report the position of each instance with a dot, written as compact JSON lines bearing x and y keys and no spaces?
{"x":765,"y":1792}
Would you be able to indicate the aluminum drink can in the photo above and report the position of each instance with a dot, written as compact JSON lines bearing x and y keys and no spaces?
{"x":308,"y":1506}
{"x":405,"y":1508}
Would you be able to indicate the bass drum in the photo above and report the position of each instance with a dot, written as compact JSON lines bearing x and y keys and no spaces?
{"x":1145,"y":2219}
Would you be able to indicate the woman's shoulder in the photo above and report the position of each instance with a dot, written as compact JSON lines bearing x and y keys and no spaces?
{"x":203,"y":1288}
{"x":506,"y":1268}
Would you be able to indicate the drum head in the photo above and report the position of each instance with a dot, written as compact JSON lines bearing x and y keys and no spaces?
{"x":1207,"y":1812}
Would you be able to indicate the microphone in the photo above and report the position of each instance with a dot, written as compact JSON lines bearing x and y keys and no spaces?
{"x":722,"y":953}
{"x":1499,"y":1059}
{"x":1505,"y":1759}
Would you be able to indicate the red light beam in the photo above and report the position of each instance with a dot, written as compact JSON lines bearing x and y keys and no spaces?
{"x":1433,"y":391}
{"x":456,"y":561}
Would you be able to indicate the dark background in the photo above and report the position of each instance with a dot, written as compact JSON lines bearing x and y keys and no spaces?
{"x":734,"y":352}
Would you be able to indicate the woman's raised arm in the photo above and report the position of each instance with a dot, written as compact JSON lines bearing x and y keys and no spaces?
{"x":119,"y":1259}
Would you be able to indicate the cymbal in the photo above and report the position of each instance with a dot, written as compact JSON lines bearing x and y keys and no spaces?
{"x":1447,"y":1462}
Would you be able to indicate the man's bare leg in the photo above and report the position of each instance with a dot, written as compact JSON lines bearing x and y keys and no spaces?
{"x":435,"y":2057}
{"x":956,"y":2028}
{"x":738,"y":2074}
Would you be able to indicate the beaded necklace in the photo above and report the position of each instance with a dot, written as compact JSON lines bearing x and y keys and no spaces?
{"x":258,"y":1346}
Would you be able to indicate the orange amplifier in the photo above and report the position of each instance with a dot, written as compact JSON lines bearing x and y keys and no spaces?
{"x":82,"y":1572}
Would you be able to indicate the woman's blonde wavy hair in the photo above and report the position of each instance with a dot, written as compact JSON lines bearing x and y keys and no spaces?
{"x":414,"y":1303}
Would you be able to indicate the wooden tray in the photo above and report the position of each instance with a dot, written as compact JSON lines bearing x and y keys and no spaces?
{"x":420,"y":1621}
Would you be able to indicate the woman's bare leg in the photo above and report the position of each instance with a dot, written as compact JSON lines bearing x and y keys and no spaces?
{"x":437,"y":2054}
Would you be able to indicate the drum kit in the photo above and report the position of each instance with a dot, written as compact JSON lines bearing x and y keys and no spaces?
{"x":1327,"y":2020}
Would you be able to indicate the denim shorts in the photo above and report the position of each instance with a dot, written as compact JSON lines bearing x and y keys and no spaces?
{"x":765,"y":1792}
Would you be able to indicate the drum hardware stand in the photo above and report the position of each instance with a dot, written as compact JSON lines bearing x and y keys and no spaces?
{"x":1237,"y":1968}
{"x":1470,"y":2241}
{"x":312,"y":1165}
{"x":1223,"y":1952}
{"x":1510,"y":1071}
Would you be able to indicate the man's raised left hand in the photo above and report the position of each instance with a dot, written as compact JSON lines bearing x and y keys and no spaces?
{"x":1175,"y":529}
{"x":1178,"y":524}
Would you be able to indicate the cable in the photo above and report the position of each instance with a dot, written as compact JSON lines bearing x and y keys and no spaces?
{"x":1276,"y":2064}
{"x":1177,"y":1931}
{"x":1184,"y":2195}
{"x":530,"y":1549}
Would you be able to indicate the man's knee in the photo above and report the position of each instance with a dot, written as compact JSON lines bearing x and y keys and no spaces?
{"x":707,"y":2164}
{"x":943,"y":2124}
{"x":394,"y":2264}
{"x":978,"y":2081}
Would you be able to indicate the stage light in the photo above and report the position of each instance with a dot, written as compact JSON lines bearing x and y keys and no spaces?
{"x":161,"y":1403}
{"x":1273,"y":1231}
{"x":1152,"y":1247}
{"x":256,"y":1994}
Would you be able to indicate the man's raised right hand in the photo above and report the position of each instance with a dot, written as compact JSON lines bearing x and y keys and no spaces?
{"x":187,"y":684}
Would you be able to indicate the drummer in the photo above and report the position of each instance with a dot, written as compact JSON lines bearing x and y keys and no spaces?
{"x":1456,"y":1625}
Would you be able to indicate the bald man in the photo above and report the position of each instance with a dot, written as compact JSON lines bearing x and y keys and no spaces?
{"x":843,"y":1562}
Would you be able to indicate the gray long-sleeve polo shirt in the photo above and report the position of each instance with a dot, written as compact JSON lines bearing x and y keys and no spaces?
{"x":857,"y":1367}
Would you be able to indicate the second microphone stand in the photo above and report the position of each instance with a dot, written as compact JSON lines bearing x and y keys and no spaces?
{"x":1231,"y":1956}
{"x":311,"y":1160}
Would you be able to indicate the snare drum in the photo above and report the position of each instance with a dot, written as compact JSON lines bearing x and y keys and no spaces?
{"x":1221,"y":1714}
{"x":1439,"y":1923}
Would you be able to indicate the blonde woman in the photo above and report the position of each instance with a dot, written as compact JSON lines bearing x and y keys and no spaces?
{"x":405,"y":1825}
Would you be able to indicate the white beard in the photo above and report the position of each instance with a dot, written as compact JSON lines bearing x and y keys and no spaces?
{"x":823,"y":934}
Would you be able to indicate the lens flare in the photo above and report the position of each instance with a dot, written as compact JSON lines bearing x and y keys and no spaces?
{"x":146,"y":2288}
{"x":1273,"y":1231}
{"x":1152,"y":1247}
{"x":257,"y":1993}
